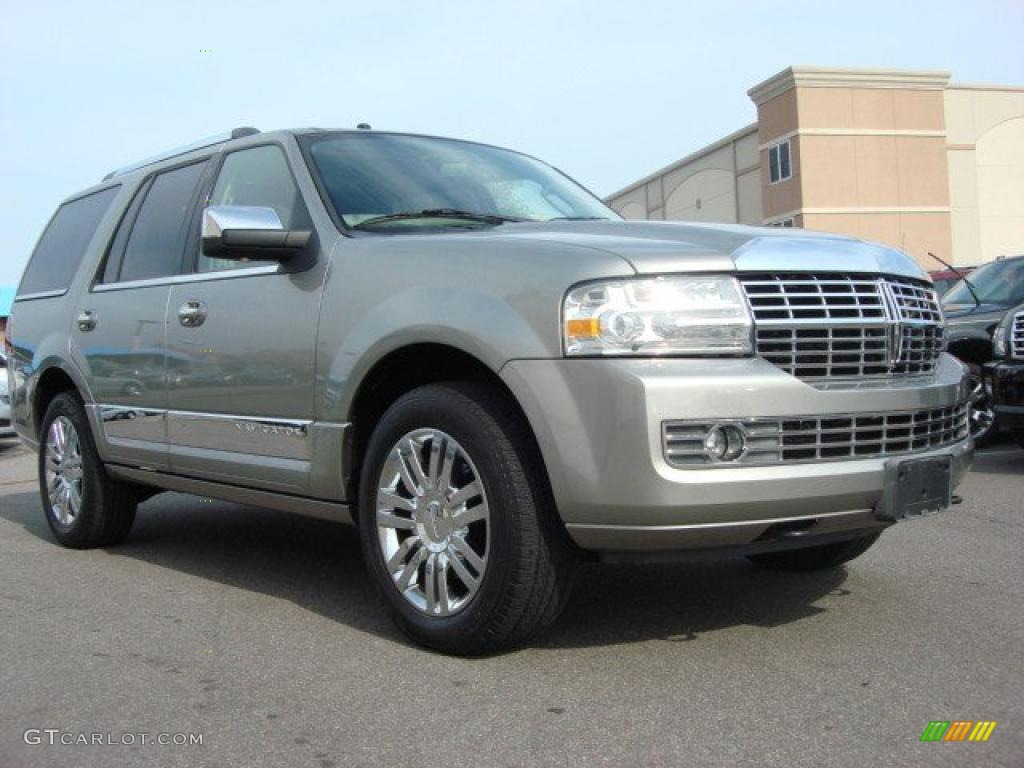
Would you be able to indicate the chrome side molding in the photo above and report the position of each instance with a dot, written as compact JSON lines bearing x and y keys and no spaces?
{"x":282,"y":438}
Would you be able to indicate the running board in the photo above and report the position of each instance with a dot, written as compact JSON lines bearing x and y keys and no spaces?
{"x":324,"y":510}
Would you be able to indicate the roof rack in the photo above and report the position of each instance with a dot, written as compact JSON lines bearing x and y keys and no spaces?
{"x":210,"y":141}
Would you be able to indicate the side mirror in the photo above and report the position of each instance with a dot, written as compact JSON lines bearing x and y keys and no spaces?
{"x":249,"y":232}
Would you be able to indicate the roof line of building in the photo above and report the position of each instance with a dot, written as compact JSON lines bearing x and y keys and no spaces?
{"x":844,"y":77}
{"x":725,"y":140}
{"x":985,"y":87}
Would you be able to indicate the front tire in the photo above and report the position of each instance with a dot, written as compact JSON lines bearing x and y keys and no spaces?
{"x":84,"y":507}
{"x":457,"y":523}
{"x":817,"y":558}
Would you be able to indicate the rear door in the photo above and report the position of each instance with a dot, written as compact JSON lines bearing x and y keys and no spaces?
{"x":241,"y":339}
{"x":120,"y":324}
{"x":41,"y":306}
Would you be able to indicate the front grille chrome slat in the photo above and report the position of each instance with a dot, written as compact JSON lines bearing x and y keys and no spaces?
{"x":825,"y":326}
{"x":1017,"y":335}
{"x":822,"y":438}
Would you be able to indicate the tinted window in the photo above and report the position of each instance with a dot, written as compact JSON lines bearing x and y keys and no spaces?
{"x":154,"y":247}
{"x":62,"y":246}
{"x":112,"y":265}
{"x":257,"y":176}
{"x":998,"y":282}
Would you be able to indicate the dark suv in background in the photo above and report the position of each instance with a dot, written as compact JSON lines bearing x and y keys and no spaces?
{"x":974,"y":308}
{"x":1007,"y":373}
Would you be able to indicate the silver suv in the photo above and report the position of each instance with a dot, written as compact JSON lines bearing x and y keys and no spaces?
{"x":466,"y":354}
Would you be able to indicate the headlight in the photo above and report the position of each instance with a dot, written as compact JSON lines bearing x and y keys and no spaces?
{"x":658,"y":316}
{"x":999,"y":341}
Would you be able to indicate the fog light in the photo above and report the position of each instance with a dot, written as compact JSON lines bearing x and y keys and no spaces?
{"x":724,"y":442}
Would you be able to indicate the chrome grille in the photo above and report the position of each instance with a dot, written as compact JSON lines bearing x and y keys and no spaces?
{"x":825,"y":352}
{"x":814,"y":297}
{"x":919,"y":349}
{"x":1017,"y":335}
{"x":821,"y":438}
{"x":914,"y":302}
{"x":821,"y":326}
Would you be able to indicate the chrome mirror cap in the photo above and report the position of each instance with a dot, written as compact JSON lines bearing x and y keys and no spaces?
{"x":218,"y":218}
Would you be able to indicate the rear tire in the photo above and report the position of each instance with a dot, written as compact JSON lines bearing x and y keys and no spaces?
{"x":815,"y":558}
{"x":471,"y":559}
{"x":84,"y":507}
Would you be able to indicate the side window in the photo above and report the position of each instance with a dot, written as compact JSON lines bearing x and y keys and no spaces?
{"x":154,"y":247}
{"x":63,"y":244}
{"x":257,"y":176}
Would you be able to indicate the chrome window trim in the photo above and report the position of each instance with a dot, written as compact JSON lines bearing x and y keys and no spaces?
{"x":41,"y":295}
{"x":195,"y":277}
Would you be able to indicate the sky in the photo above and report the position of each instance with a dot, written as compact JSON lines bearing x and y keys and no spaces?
{"x":608,"y":92}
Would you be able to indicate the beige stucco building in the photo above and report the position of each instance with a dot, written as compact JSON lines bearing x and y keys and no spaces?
{"x":901,"y":157}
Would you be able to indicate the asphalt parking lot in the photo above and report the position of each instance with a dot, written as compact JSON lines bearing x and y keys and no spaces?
{"x":259,"y":631}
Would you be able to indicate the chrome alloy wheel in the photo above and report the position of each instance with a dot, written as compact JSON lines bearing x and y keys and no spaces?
{"x":982,"y":414}
{"x":63,"y":470}
{"x":433,"y":522}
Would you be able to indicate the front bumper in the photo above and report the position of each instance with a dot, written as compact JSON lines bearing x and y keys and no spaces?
{"x":599,"y":426}
{"x":1008,"y":393}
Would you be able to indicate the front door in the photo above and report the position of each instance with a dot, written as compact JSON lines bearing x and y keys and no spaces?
{"x":240,"y":340}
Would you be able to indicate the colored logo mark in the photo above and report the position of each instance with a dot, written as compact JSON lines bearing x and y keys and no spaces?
{"x":958,"y":730}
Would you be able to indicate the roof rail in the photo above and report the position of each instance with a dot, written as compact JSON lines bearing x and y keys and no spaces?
{"x":210,"y":141}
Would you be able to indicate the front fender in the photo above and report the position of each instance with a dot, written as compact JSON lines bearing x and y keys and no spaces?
{"x":476,"y":322}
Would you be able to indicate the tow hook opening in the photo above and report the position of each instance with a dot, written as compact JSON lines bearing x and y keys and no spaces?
{"x":791,"y":529}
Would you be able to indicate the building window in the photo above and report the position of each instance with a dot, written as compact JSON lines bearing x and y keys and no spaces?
{"x":779,"y":166}
{"x":789,"y":222}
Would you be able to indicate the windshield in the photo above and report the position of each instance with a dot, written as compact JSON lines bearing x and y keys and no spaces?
{"x":999,"y":282}
{"x":373,"y":175}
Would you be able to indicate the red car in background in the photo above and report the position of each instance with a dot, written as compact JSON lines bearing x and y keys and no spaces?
{"x":945,"y":279}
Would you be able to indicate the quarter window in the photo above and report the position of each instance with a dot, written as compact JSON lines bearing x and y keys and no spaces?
{"x":154,"y":247}
{"x":779,"y":165}
{"x":63,"y":244}
{"x":257,"y":177}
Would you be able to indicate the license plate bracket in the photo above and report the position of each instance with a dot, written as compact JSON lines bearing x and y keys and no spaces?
{"x":916,"y":488}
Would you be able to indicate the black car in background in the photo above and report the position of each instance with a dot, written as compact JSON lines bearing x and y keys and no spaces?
{"x":974,"y":308}
{"x":1006,"y":373}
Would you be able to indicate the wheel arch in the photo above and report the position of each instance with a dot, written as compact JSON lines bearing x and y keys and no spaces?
{"x":973,"y":349}
{"x":402,"y":370}
{"x":51,"y":380}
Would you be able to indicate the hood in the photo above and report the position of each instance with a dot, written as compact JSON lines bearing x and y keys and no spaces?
{"x":654,"y":247}
{"x":974,"y":311}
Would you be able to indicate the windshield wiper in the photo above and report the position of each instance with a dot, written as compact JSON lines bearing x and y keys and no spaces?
{"x":438,"y":213}
{"x":579,"y":218}
{"x":961,"y":275}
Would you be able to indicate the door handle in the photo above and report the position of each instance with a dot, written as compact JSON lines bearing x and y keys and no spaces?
{"x":192,"y":313}
{"x":87,"y":320}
